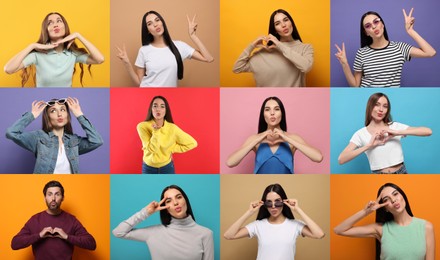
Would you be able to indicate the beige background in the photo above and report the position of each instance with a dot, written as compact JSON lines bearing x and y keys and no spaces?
{"x":312,"y":192}
{"x":125,"y":22}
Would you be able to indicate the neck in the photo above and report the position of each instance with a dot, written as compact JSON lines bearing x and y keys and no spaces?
{"x":273,"y":127}
{"x":403,"y":219}
{"x":379,"y":42}
{"x":159,"y":122}
{"x":375,"y":123}
{"x":287,"y":39}
{"x":159,"y":41}
{"x":276,"y":220}
{"x":54,"y":212}
{"x":58,"y":132}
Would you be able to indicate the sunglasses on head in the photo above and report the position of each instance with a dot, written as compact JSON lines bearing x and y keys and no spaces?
{"x":60,"y":101}
{"x":369,"y":25}
{"x":277,"y":204}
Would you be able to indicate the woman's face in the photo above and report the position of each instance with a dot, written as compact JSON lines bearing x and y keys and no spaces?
{"x":55,"y":27}
{"x":283,"y":25}
{"x":274,"y":200}
{"x":272,"y":113}
{"x":154,"y":25}
{"x":373,"y":26}
{"x":58,"y":116}
{"x":176,"y":203}
{"x":395,"y":200}
{"x":380,"y":109}
{"x":159,"y":110}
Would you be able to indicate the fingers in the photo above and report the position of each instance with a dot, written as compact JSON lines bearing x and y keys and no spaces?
{"x":162,"y":201}
{"x":337,"y":47}
{"x":411,"y":12}
{"x":187,"y":18}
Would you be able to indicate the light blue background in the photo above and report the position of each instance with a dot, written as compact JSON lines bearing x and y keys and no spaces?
{"x":131,"y":193}
{"x":411,"y":106}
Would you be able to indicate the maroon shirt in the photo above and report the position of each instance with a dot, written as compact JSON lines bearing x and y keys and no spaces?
{"x":53,"y":248}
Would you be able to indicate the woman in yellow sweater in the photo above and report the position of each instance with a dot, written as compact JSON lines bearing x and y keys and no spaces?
{"x":161,"y":138}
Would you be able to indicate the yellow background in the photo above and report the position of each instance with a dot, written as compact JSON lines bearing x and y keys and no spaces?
{"x":21,"y":25}
{"x":241,"y":22}
{"x":87,"y":197}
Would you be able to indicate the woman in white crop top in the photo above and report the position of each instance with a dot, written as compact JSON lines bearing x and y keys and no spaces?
{"x":380,"y":138}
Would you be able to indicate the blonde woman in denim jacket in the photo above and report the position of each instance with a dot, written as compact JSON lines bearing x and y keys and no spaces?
{"x":56,"y":147}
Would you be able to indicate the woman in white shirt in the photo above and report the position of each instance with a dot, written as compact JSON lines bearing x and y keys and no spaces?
{"x":160,"y":59}
{"x":276,"y":228}
{"x":380,"y":138}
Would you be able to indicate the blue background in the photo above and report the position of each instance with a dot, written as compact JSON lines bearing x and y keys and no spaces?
{"x":15,"y":102}
{"x":130,"y":193}
{"x":411,"y":106}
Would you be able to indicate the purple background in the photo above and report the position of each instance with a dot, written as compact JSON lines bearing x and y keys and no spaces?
{"x":15,"y":102}
{"x":345,"y":27}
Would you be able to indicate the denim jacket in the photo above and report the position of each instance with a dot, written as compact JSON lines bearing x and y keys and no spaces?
{"x":45,"y":145}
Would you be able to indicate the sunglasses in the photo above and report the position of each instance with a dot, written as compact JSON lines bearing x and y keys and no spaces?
{"x":60,"y":101}
{"x":369,"y":25}
{"x":270,"y":204}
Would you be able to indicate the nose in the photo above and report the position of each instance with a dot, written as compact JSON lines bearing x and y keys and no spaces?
{"x":175,"y":203}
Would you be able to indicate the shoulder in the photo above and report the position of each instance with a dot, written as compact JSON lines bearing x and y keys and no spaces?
{"x":398,"y":126}
{"x":429,"y":226}
{"x":143,"y":125}
{"x":204,"y":230}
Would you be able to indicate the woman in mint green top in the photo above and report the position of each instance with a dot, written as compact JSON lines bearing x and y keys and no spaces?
{"x":54,"y":55}
{"x":399,"y":235}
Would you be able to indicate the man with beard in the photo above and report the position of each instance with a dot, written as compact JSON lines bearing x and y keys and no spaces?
{"x":53,"y":233}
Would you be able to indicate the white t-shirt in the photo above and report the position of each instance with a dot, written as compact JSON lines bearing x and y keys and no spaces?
{"x":160,"y":64}
{"x":276,"y":241}
{"x":381,"y":156}
{"x":62,"y":166}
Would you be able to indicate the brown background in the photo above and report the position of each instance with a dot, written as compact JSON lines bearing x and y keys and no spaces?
{"x":312,"y":193}
{"x":125,"y":24}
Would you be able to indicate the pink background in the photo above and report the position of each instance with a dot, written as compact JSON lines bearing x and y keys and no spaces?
{"x":307,"y":114}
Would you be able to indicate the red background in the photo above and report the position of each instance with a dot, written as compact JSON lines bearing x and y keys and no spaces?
{"x":194,"y":110}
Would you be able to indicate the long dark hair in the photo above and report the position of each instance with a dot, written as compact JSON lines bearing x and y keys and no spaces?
{"x":370,"y":105}
{"x":148,"y":38}
{"x":262,"y":124}
{"x":273,"y":31}
{"x":168,"y":117}
{"x":45,"y":39}
{"x":165,"y":216}
{"x":48,"y":127}
{"x":365,"y":39}
{"x":382,"y":216}
{"x":264,"y":213}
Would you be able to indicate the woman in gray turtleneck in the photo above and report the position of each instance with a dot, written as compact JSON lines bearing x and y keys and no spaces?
{"x":179,"y":236}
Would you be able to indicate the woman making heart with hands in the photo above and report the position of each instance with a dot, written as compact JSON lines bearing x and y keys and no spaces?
{"x":380,"y":138}
{"x":279,"y":59}
{"x":273,"y":146}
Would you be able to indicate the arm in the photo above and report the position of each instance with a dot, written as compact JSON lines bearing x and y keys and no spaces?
{"x":15,"y":132}
{"x":303,"y":61}
{"x":16,"y":63}
{"x":237,"y":230}
{"x":430,"y":242}
{"x":425,"y":50}
{"x":95,"y":56}
{"x":416,"y":131}
{"x":354,"y":80}
{"x":235,"y":158}
{"x":25,"y":237}
{"x":184,"y":142}
{"x":202,"y":54}
{"x":126,"y":228}
{"x":80,"y":237}
{"x":311,"y":229}
{"x":352,"y":150}
{"x":135,"y":74}
{"x":93,"y":139}
{"x":298,"y":143}
{"x":347,"y":228}
{"x":242,"y":64}
{"x":208,"y":247}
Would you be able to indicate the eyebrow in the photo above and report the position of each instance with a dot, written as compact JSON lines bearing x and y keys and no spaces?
{"x":389,"y":196}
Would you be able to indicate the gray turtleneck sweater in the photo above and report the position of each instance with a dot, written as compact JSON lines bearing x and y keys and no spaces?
{"x":181,"y":239}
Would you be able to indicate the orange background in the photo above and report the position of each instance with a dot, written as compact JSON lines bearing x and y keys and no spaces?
{"x":85,"y":196}
{"x":350,"y":193}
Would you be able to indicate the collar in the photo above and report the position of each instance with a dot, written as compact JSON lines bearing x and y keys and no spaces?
{"x":183,"y":222}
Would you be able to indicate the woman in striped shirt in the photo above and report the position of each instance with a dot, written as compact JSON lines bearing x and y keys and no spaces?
{"x":379,"y":61}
